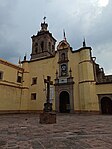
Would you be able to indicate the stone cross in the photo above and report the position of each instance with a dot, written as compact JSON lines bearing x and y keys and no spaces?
{"x":48,"y":82}
{"x":48,"y":117}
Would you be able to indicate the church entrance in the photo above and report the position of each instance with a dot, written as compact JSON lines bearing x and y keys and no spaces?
{"x":64,"y":102}
{"x":106,"y":105}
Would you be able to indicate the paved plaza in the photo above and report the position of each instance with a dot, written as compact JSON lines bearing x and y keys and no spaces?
{"x":72,"y":131}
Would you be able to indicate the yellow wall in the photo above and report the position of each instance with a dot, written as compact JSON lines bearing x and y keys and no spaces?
{"x":10,"y":71}
{"x":82,"y":70}
{"x":104,"y":89}
{"x":10,"y":98}
{"x":13,"y":96}
{"x":17,"y":96}
{"x":40,"y":69}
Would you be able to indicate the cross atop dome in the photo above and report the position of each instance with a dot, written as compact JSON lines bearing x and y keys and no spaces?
{"x":64,"y":35}
{"x":44,"y":25}
{"x":44,"y":18}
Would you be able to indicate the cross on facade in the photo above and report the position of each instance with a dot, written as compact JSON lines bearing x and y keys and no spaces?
{"x":48,"y":82}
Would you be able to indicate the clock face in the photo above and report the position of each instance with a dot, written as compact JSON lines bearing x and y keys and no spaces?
{"x":63,"y":69}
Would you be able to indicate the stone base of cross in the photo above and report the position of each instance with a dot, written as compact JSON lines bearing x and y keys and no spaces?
{"x":48,"y":118}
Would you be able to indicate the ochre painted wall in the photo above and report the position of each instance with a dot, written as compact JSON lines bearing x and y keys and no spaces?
{"x":13,"y":96}
{"x":104,"y":89}
{"x":10,"y":98}
{"x":16,"y":96}
{"x":41,"y":69}
{"x":10,"y":71}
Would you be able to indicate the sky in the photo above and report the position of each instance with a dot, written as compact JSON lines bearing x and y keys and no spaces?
{"x":20,"y":19}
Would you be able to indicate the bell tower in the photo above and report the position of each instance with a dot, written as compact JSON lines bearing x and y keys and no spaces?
{"x":63,"y":58}
{"x":43,"y":44}
{"x":64,"y":84}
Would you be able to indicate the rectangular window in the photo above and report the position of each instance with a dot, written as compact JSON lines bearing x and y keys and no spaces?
{"x":1,"y":75}
{"x":19,"y":79}
{"x":33,"y":96}
{"x":34,"y":80}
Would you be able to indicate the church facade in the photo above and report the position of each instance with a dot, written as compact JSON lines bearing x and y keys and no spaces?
{"x":79,"y":84}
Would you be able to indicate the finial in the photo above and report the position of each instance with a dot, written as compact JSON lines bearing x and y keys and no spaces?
{"x":70,"y":72}
{"x":64,"y":35}
{"x":25,"y":57}
{"x":19,"y":61}
{"x":56,"y":74}
{"x":44,"y":18}
{"x":44,"y":25}
{"x":84,"y":43}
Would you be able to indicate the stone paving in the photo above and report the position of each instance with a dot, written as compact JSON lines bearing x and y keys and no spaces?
{"x":72,"y":131}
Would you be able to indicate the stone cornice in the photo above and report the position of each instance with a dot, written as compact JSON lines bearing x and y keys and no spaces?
{"x":10,"y":64}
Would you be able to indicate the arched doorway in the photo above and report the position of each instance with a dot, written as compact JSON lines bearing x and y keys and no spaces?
{"x":64,"y":102}
{"x":106,"y":105}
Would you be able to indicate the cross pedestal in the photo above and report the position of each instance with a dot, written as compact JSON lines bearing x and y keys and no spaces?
{"x":48,"y":117}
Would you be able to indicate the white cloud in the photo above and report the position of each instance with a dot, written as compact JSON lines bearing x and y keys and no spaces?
{"x":103,"y":3}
